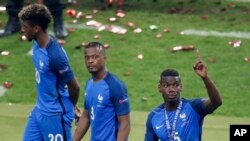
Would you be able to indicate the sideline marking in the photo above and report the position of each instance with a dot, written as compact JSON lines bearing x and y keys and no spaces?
{"x":242,"y":0}
{"x":186,"y":31}
{"x":216,"y":33}
{"x":2,"y":90}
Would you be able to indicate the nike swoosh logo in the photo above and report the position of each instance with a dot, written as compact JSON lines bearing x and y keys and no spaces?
{"x":158,"y":127}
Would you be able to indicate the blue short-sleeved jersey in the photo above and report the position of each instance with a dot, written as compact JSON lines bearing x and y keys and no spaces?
{"x":52,"y":72}
{"x":53,"y":113}
{"x":106,"y":100}
{"x":188,"y":126}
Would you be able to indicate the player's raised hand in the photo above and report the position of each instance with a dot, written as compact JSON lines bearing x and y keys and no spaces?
{"x":200,"y":67}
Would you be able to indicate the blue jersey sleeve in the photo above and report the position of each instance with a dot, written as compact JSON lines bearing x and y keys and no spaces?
{"x":150,"y":134}
{"x":59,"y":62}
{"x":198,"y":106}
{"x":119,"y":95}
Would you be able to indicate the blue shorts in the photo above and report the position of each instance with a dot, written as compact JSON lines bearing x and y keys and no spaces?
{"x":53,"y":127}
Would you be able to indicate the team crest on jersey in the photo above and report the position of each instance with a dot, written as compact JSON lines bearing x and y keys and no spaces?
{"x":183,"y":116}
{"x":100,"y":98}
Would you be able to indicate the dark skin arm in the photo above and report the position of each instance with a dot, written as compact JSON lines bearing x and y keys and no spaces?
{"x":74,"y":90}
{"x":214,"y":100}
{"x":124,"y":128}
{"x":82,"y":126}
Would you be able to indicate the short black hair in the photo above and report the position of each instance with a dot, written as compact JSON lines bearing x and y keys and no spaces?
{"x":96,"y":45}
{"x":36,"y":14}
{"x":169,"y":72}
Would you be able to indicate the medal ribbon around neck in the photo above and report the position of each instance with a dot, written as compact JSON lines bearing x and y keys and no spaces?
{"x":171,"y":130}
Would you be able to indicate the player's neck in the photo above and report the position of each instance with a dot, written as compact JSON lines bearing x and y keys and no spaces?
{"x":99,"y":76}
{"x":43,"y":40}
{"x":172,"y":105}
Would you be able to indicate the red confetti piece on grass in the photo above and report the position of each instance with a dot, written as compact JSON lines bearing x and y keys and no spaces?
{"x":235,"y":43}
{"x":183,"y":48}
{"x":71,"y":12}
{"x":247,"y":59}
{"x":7,"y":84}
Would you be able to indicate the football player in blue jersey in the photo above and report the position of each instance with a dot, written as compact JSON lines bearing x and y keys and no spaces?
{"x":106,"y":102}
{"x":57,"y":87}
{"x":179,"y":119}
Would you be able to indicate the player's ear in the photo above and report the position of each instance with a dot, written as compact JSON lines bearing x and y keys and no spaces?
{"x":37,"y":28}
{"x":180,"y":87}
{"x":159,"y":88}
